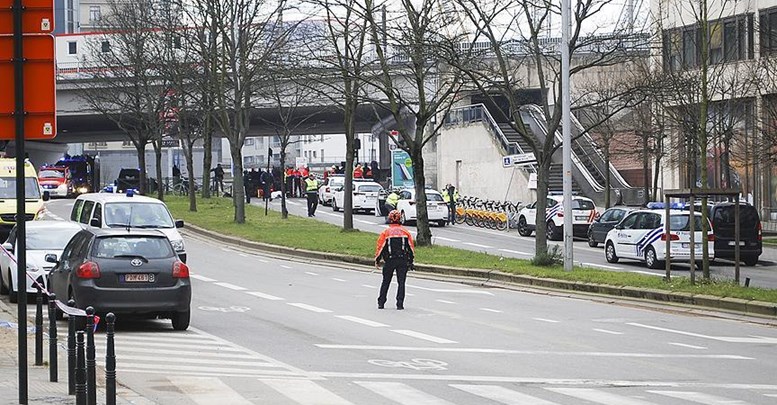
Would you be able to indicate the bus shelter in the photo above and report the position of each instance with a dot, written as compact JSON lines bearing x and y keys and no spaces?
{"x":692,"y":194}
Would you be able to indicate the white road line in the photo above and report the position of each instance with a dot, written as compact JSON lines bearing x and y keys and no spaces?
{"x":604,"y":266}
{"x":208,"y":390}
{"x":700,"y":397}
{"x":478,"y":245}
{"x":515,"y":252}
{"x":311,"y":273}
{"x":402,"y":393}
{"x":423,"y":336}
{"x":446,"y":239}
{"x":369,"y":286}
{"x":362,"y":321}
{"x":611,"y":332}
{"x":771,"y":395}
{"x":291,"y":202}
{"x":366,"y":222}
{"x":188,"y":367}
{"x":148,"y":340}
{"x":339,"y":279}
{"x":175,"y":354}
{"x":688,"y":346}
{"x":226,"y":249}
{"x":242,"y":255}
{"x":308,"y":307}
{"x":600,"y":397}
{"x":265,"y":296}
{"x":446,"y":290}
{"x":331,"y":214}
{"x":304,"y":392}
{"x":201,"y":278}
{"x":249,"y":363}
{"x":491,"y":310}
{"x":263,"y":261}
{"x":501,"y":394}
{"x":285,"y":266}
{"x":445,"y":301}
{"x":647,"y":273}
{"x":231,"y":286}
{"x":546,"y":320}
{"x":718,"y":338}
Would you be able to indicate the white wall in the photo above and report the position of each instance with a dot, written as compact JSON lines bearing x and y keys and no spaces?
{"x":481,"y":174}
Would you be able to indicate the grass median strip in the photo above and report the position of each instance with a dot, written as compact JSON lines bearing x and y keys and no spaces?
{"x":216,"y":215}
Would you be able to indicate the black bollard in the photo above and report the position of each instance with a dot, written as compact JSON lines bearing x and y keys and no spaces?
{"x":91,"y":380}
{"x":110,"y":361}
{"x":71,"y":351}
{"x":53,"y":338}
{"x":80,"y":369}
{"x":39,"y":327}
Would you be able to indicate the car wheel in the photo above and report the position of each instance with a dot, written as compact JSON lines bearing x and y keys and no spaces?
{"x":3,"y":287}
{"x":181,"y":320}
{"x":651,"y":260}
{"x":335,"y":208}
{"x":609,"y":253}
{"x":13,"y":297}
{"x":750,"y":260}
{"x":554,"y":232}
{"x":591,"y":241}
{"x":442,"y":223}
{"x":523,"y":228}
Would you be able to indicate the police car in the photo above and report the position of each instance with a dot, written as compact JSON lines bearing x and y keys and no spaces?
{"x":583,"y":213}
{"x":640,"y":236}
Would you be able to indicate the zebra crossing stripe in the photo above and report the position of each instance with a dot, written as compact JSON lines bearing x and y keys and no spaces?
{"x":208,"y":390}
{"x":501,"y":395}
{"x":700,"y":398}
{"x":305,"y":392}
{"x":599,"y":397}
{"x":402,"y":393}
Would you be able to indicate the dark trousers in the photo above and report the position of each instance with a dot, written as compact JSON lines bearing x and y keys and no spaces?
{"x":452,"y":213}
{"x":248,"y":195}
{"x":266,"y":192}
{"x":400,"y":265}
{"x":312,"y":203}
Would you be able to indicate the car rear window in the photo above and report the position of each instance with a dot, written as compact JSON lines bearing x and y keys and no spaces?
{"x":748,"y":216}
{"x":681,"y":223}
{"x":582,"y":205}
{"x":369,"y":188}
{"x":434,"y":197}
{"x":146,"y":246}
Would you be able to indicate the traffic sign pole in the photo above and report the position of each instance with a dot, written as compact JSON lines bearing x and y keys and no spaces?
{"x":21,"y":259}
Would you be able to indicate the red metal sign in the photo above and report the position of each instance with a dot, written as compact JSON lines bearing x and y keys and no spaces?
{"x":393,"y":132}
{"x":40,"y":97}
{"x":38,"y":17}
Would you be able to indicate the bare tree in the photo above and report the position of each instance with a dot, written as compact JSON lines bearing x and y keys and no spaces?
{"x":415,"y":83}
{"x":126,"y":84}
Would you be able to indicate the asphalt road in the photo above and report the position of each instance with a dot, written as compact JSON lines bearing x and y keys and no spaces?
{"x":278,"y":330}
{"x":510,"y":244}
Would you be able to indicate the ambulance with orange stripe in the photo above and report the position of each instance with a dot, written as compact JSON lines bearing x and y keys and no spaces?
{"x":33,"y":205}
{"x":583,"y":214}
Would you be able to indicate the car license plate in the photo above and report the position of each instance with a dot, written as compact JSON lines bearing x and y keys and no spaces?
{"x":138,"y":278}
{"x":688,"y":245}
{"x":581,"y":218}
{"x":733,"y":243}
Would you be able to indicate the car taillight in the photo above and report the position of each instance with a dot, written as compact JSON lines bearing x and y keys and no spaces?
{"x":88,"y":270}
{"x":711,"y":237}
{"x":671,"y":237}
{"x":560,"y":214}
{"x":327,"y":189}
{"x":180,"y":270}
{"x":760,"y":234}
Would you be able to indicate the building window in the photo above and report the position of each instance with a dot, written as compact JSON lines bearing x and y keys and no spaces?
{"x":314,"y":154}
{"x":72,"y":48}
{"x":730,"y":39}
{"x":249,"y":141}
{"x":768,"y":31}
{"x":94,"y":14}
{"x":105,"y":46}
{"x":322,"y":155}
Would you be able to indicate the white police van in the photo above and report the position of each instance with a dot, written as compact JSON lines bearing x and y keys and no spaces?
{"x":640,"y":236}
{"x":583,"y":213}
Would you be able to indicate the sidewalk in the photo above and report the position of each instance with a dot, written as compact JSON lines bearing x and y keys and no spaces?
{"x":40,"y":390}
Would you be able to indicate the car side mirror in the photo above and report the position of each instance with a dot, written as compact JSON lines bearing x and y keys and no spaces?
{"x":95,"y":223}
{"x":179,"y":223}
{"x":50,"y":258}
{"x":46,"y":196}
{"x":8,"y":246}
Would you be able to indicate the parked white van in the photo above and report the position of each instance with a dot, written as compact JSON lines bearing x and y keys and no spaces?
{"x":107,"y":210}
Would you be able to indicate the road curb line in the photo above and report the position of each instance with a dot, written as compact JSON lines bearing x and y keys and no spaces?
{"x":749,"y":307}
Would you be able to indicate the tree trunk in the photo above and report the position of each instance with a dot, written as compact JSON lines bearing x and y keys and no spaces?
{"x":424,"y":233}
{"x":350,"y":134}
{"x":645,"y":167}
{"x":207,"y":160}
{"x":160,"y":192}
{"x":238,"y":194}
{"x":541,"y":236}
{"x":607,"y":190}
{"x":189,"y":155}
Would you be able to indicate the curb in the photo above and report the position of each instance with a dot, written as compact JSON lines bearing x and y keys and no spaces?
{"x":748,"y":307}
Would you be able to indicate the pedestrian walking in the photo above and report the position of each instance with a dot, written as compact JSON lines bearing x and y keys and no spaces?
{"x":395,"y":248}
{"x":311,"y":192}
{"x":451,"y":196}
{"x":247,"y":185}
{"x":267,"y":184}
{"x":218,"y":178}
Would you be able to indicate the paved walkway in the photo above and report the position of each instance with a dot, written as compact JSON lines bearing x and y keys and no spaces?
{"x":40,"y":390}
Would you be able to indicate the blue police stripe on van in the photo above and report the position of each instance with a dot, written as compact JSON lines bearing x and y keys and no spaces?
{"x":553,"y":211}
{"x":648,"y":239}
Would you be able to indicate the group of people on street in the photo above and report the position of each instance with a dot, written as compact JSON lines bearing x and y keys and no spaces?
{"x":295,"y":180}
{"x":255,"y":181}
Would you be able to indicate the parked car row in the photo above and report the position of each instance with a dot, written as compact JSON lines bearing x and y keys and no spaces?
{"x":118,"y":253}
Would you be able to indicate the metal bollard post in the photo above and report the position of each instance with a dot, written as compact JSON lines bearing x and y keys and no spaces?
{"x":71,"y":351}
{"x":80,"y":369}
{"x":39,"y":327}
{"x":91,"y":380}
{"x":110,"y":361}
{"x":53,"y":339}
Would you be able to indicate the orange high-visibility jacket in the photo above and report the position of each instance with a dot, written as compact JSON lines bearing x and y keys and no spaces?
{"x":394,"y":231}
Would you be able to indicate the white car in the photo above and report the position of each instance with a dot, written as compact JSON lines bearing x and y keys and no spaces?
{"x":583,"y":213}
{"x":435,"y":206}
{"x":327,"y":191}
{"x":44,"y":237}
{"x":365,"y":196}
{"x":640,"y":236}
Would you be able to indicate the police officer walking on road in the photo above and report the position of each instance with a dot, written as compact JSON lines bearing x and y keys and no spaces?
{"x":311,"y":191}
{"x":395,"y":248}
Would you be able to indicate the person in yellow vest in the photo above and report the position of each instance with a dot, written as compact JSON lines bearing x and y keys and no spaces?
{"x":391,"y":203}
{"x":311,"y":191}
{"x":451,"y":196}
